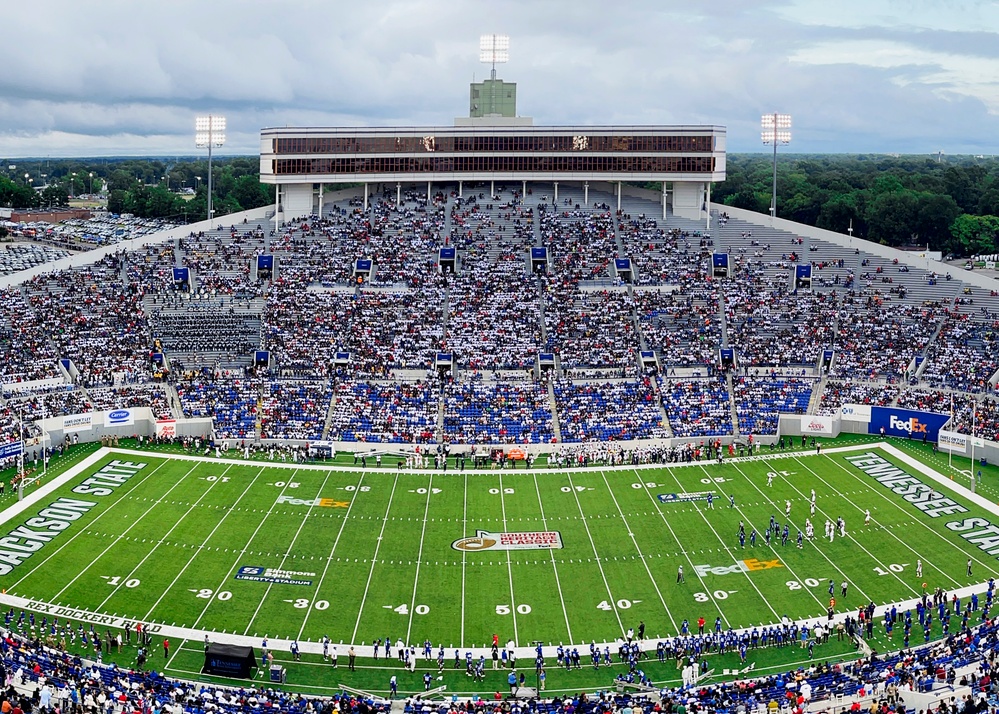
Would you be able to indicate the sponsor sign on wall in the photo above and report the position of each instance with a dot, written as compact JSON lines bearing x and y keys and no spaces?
{"x":952,"y":441}
{"x":77,"y":422}
{"x":166,"y":428}
{"x":119,"y":417}
{"x":855,"y":412}
{"x":818,"y":425}
{"x":906,"y":423}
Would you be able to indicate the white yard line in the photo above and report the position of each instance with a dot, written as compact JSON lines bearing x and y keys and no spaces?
{"x":329,"y":559}
{"x":464,"y":534}
{"x":641,"y":555}
{"x":374,"y":559}
{"x":686,"y":554}
{"x":509,"y":566}
{"x":159,"y":542}
{"x":871,"y":486}
{"x":239,"y":555}
{"x":419,"y":557}
{"x":813,"y":543}
{"x":596,"y":555}
{"x":218,"y":525}
{"x":551,"y":552}
{"x":291,"y":545}
{"x":725,"y":547}
{"x":89,"y":525}
{"x":121,"y":535}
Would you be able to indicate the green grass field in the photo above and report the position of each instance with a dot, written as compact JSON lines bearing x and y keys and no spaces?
{"x":373,"y":554}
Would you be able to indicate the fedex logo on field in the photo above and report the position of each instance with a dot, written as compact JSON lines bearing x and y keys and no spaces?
{"x":740,"y":566}
{"x":911,"y":425}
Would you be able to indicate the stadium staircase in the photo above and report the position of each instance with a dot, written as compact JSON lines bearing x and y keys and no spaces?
{"x":731,"y":404}
{"x":816,"y":399}
{"x":556,"y":428}
{"x":328,"y":423}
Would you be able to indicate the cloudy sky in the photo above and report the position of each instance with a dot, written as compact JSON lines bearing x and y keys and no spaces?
{"x":115,"y":77}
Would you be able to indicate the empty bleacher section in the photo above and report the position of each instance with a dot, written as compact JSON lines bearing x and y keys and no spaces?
{"x":611,"y":411}
{"x":482,"y":412}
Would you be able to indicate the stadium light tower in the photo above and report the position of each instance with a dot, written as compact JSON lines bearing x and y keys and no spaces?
{"x":209,"y":132}
{"x":493,"y":49}
{"x":776,"y":130}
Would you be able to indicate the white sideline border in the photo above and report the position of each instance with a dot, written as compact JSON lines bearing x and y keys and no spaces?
{"x":522,"y":653}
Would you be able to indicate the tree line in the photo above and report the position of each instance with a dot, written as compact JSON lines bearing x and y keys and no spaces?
{"x":151,"y":188}
{"x":950,"y":204}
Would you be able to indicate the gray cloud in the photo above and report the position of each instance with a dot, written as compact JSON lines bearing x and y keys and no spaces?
{"x":128,"y":76}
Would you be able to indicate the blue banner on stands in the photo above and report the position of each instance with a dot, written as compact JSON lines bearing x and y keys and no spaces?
{"x":9,"y":450}
{"x":648,"y":354}
{"x":265,"y":262}
{"x":447,"y":253}
{"x":181,"y":275}
{"x":719,"y":260}
{"x":546,"y":357}
{"x":363,"y":265}
{"x":727,"y":354}
{"x":803,"y":272}
{"x":261,"y":356}
{"x":539,"y":254}
{"x":444,"y":357}
{"x":827,"y":355}
{"x":906,"y":422}
{"x":622,"y":263}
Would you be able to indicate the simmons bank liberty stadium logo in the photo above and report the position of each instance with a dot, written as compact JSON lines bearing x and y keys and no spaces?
{"x":911,"y":425}
{"x":485,"y":540}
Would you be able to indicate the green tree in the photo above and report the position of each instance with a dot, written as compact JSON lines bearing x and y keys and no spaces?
{"x":893,"y":217}
{"x":976,"y":234}
{"x":55,"y":195}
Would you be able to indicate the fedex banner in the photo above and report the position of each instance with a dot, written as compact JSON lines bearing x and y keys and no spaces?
{"x":823,"y":425}
{"x":952,"y":441}
{"x":906,"y":422}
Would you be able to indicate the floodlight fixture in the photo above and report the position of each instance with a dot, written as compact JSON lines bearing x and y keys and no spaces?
{"x":776,"y":129}
{"x":209,"y":132}
{"x":494,"y":49}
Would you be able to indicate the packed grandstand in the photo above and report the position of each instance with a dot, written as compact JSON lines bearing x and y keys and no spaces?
{"x":315,"y":352}
{"x":351,"y":361}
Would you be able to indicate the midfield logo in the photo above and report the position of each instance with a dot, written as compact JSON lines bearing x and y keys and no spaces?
{"x":740,"y":566}
{"x":484,"y":540}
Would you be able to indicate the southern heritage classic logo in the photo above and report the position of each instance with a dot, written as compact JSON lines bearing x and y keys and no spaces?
{"x":484,"y":540}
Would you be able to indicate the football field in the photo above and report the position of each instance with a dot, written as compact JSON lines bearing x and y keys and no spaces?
{"x":302,"y":552}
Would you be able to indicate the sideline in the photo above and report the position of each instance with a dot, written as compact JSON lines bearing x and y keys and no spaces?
{"x":172,"y":631}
